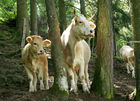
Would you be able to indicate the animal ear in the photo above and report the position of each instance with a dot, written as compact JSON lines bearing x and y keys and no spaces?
{"x":92,"y":25}
{"x":46,"y":42}
{"x":75,"y":20}
{"x":29,"y":39}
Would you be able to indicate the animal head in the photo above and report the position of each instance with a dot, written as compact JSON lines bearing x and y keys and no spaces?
{"x":82,"y":27}
{"x":37,"y":43}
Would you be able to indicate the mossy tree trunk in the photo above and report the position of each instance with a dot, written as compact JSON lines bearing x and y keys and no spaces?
{"x":135,"y":4}
{"x":62,"y":16}
{"x":57,"y":51}
{"x":21,"y":15}
{"x":33,"y":17}
{"x":103,"y":78}
{"x":82,"y":7}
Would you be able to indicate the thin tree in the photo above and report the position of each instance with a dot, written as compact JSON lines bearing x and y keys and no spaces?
{"x":33,"y":17}
{"x":135,"y":4}
{"x":103,"y":77}
{"x":57,"y":51}
{"x":62,"y":16}
{"x":22,"y":17}
{"x":82,"y":7}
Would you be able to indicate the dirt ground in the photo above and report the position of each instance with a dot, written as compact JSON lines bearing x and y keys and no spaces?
{"x":14,"y":82}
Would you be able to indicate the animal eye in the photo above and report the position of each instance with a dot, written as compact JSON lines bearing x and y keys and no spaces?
{"x":35,"y":43}
{"x":80,"y":21}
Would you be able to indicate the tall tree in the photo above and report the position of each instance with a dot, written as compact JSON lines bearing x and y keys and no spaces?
{"x":82,"y":7}
{"x":62,"y":16}
{"x":33,"y":17}
{"x":103,"y":78}
{"x":135,"y":4}
{"x":57,"y":51}
{"x":22,"y":18}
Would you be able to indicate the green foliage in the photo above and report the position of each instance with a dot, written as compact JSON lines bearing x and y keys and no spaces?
{"x":121,"y":22}
{"x":91,"y":7}
{"x":7,"y":10}
{"x":120,"y":9}
{"x":121,"y":42}
{"x":46,"y":98}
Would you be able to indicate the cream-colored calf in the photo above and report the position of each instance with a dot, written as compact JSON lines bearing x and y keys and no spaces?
{"x":35,"y":61}
{"x":77,"y":51}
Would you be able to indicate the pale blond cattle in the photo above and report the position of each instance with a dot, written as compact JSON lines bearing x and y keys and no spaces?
{"x":77,"y":52}
{"x":127,"y":54}
{"x":35,"y":61}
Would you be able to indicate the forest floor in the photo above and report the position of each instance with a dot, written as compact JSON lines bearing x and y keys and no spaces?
{"x":14,"y":81}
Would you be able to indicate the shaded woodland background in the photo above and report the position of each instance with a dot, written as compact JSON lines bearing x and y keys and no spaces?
{"x":20,"y":18}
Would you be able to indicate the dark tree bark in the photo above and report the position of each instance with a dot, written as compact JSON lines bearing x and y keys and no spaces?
{"x":82,"y":7}
{"x":115,"y":45}
{"x":33,"y":17}
{"x":62,"y":16}
{"x":103,"y":78}
{"x":57,"y":51}
{"x":21,"y":15}
{"x":135,"y":4}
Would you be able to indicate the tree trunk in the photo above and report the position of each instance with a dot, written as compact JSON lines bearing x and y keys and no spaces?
{"x":24,"y":34}
{"x":103,"y":78}
{"x":62,"y":16}
{"x":33,"y":16}
{"x":21,"y":15}
{"x":82,"y":7}
{"x":115,"y":45}
{"x":57,"y":51}
{"x":135,"y":4}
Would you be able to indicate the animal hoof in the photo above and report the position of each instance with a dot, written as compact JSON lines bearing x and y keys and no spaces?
{"x":42,"y":88}
{"x":47,"y":87}
{"x":73,"y":90}
{"x":31,"y":90}
{"x":128,"y":72}
{"x":86,"y":89}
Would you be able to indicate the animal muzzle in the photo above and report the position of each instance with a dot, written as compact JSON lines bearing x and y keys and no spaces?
{"x":41,"y":51}
{"x":91,"y":33}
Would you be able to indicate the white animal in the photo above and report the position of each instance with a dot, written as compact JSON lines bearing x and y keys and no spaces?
{"x":77,"y":52}
{"x":127,"y":54}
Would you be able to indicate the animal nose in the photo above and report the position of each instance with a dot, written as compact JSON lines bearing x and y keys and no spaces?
{"x":91,"y":31}
{"x":41,"y":51}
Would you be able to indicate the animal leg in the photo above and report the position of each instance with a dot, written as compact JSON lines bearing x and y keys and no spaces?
{"x":82,"y":78}
{"x":46,"y":79}
{"x":73,"y":83}
{"x":87,"y":76}
{"x":30,"y":76}
{"x":40,"y":76}
{"x":127,"y":67}
{"x":35,"y":80}
{"x":133,"y":69}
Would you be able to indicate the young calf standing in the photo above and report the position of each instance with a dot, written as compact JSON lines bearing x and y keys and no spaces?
{"x":127,"y":54}
{"x":35,"y":61}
